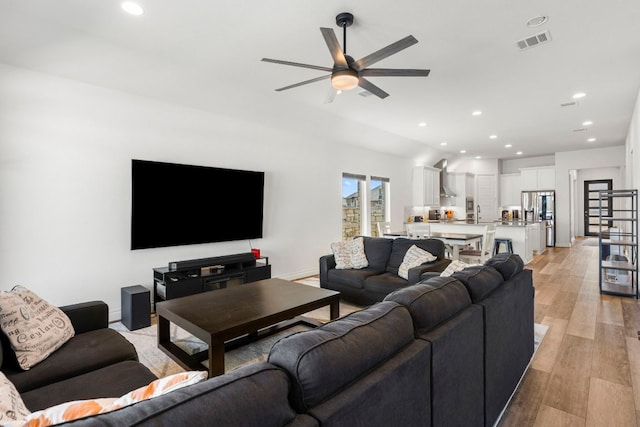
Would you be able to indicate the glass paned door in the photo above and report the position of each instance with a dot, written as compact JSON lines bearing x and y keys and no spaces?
{"x":592,"y":206}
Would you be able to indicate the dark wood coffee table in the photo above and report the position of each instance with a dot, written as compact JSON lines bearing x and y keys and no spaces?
{"x":229,"y":318}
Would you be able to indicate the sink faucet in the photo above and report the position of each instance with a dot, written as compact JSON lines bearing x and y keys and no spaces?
{"x":477,"y":214}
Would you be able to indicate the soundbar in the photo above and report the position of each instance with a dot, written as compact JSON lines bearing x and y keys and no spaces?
{"x":209,"y":262}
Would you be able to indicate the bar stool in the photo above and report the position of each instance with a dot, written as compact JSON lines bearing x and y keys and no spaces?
{"x":507,"y":243}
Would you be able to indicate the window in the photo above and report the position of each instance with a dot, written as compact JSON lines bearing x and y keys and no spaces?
{"x":352,"y":197}
{"x":361,"y":209}
{"x":378,"y":201}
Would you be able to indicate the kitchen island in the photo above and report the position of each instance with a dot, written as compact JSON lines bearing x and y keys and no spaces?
{"x":525,"y":236}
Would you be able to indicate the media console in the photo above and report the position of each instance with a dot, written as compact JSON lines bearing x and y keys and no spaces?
{"x":183,"y":278}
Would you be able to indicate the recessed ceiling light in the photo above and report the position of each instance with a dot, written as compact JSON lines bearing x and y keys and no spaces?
{"x":579,"y":95}
{"x":338,"y":92}
{"x":591,"y":140}
{"x":493,"y":136}
{"x":477,"y":113}
{"x":519,"y":153}
{"x":478,"y":157}
{"x":132,"y":8}
{"x":508,"y":146}
{"x":443,"y":143}
{"x":422,"y":124}
{"x":463,"y":151}
{"x":537,"y":21}
{"x":587,"y":123}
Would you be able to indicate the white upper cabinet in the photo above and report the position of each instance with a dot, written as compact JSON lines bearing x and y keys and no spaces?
{"x":540,"y":178}
{"x":510,"y":189}
{"x":462,"y":184}
{"x":426,"y":186}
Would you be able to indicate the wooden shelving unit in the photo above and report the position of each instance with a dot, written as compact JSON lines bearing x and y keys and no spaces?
{"x":618,"y":242}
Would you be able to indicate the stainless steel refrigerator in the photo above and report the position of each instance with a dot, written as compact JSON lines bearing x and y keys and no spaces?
{"x":539,"y":206}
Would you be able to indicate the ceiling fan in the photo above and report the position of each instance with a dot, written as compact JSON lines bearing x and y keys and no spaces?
{"x":347,"y":73}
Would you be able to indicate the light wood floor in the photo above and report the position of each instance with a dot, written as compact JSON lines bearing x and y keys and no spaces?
{"x":587,"y":369}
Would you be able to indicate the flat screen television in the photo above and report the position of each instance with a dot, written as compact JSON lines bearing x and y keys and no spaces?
{"x":175,"y":204}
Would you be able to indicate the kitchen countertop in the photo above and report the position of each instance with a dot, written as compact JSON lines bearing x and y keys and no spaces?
{"x":513,"y":223}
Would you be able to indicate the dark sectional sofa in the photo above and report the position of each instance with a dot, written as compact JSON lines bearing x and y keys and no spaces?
{"x":96,"y":362}
{"x":371,"y":284}
{"x":448,"y":351}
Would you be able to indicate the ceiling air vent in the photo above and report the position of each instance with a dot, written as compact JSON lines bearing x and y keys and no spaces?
{"x":569,"y":104}
{"x":535,"y":40}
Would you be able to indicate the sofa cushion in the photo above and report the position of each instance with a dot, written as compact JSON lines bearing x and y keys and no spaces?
{"x":401,"y":246}
{"x":83,"y":353}
{"x":351,"y":278}
{"x":383,"y":284}
{"x":12,"y":408}
{"x":327,"y":359}
{"x":109,"y":381}
{"x":480,"y":281}
{"x":507,"y":264}
{"x":414,"y":257}
{"x":34,"y":327}
{"x":349,"y":254}
{"x":432,"y":302}
{"x":378,"y":251}
{"x":252,"y":395}
{"x":76,"y":409}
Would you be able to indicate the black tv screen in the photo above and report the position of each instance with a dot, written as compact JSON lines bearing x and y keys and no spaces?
{"x":174,"y":204}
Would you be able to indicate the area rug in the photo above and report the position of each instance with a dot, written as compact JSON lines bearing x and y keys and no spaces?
{"x":145,"y":341}
{"x":146,"y":344}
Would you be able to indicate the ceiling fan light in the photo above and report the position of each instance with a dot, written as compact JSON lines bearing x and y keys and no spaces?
{"x":344,"y":79}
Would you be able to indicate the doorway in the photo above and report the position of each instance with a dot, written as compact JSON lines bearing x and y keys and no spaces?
{"x":592,"y":206}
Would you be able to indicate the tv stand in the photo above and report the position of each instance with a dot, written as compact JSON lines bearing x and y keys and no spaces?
{"x":183,"y":278}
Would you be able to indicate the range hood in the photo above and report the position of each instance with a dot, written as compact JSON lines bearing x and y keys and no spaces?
{"x":444,"y":191}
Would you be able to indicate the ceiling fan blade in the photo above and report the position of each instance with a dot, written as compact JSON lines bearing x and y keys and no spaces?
{"x":384,"y":72}
{"x":331,"y":95}
{"x":367,"y":85}
{"x":297,"y":64}
{"x":334,"y":47}
{"x":385,"y":52}
{"x":317,"y":79}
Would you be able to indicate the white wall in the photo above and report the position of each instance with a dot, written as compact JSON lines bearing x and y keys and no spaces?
{"x":65,"y":185}
{"x":632,"y":147}
{"x":578,"y":160}
{"x":514,"y":165}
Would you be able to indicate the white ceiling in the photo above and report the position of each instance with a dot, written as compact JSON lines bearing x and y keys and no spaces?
{"x":206,"y":54}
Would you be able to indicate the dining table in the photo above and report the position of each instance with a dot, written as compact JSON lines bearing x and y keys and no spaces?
{"x":455,"y":241}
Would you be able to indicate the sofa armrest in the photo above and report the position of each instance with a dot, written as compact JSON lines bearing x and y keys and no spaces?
{"x":327,"y":262}
{"x":437,"y":266}
{"x":87,"y":316}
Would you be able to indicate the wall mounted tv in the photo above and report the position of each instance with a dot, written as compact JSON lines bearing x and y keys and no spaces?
{"x":174,"y":204}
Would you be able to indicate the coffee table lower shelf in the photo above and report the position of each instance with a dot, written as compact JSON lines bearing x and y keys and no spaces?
{"x":193,"y":362}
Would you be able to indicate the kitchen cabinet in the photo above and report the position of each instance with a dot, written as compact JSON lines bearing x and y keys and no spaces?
{"x":539,"y":178}
{"x":426,"y":186}
{"x":510,"y":189}
{"x":462,"y":184}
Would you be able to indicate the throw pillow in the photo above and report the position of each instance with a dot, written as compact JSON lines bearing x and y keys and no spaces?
{"x":350,"y":254}
{"x":455,"y":265}
{"x":413,"y":258}
{"x":12,"y":407}
{"x":34,"y":328}
{"x":74,"y":410}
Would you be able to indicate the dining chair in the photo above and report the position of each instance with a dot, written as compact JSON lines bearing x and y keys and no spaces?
{"x":383,"y":227}
{"x":418,"y":231}
{"x":479,"y":256}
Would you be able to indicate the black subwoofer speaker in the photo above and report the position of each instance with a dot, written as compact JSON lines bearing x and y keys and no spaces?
{"x":135,"y":307}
